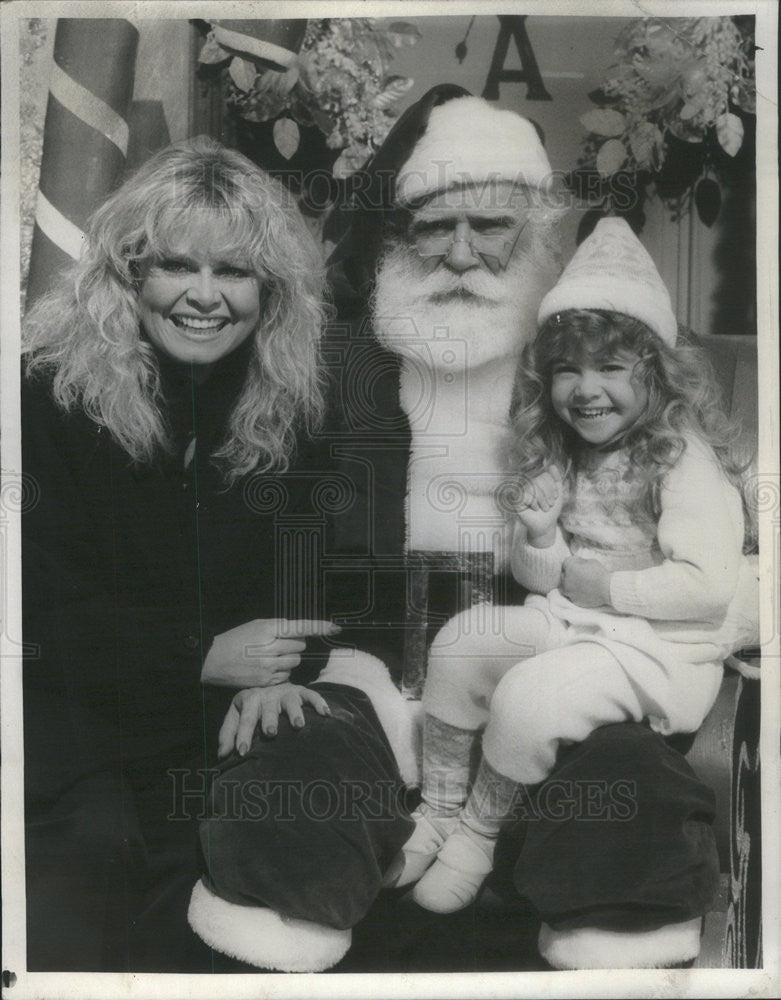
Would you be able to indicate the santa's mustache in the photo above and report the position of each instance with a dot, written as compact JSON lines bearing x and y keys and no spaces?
{"x":466,"y":290}
{"x":441,"y":286}
{"x":490,"y":314}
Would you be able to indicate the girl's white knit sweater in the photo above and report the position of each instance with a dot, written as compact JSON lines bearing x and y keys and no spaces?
{"x":685,"y":572}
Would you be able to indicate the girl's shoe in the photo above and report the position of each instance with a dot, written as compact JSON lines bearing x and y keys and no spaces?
{"x":456,"y":877}
{"x":421,"y":850}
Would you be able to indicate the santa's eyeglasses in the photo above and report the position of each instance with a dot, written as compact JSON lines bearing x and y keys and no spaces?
{"x":492,"y":240}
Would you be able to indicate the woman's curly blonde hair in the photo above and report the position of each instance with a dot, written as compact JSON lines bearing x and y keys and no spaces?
{"x":683,"y":399}
{"x":85,"y":334}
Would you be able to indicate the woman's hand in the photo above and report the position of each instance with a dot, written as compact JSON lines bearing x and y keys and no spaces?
{"x":260,"y":652}
{"x":540,"y":507}
{"x":585,"y":582}
{"x":263,"y":705}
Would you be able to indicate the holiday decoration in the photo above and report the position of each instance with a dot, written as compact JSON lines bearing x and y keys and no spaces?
{"x":514,"y":27}
{"x":461,"y":49}
{"x":339,"y":83}
{"x":677,"y":108}
{"x":30,"y":137}
{"x":85,"y":137}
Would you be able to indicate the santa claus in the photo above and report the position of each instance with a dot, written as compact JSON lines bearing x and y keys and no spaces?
{"x":452,"y":245}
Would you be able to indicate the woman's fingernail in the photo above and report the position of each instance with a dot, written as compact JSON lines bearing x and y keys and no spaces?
{"x":271,"y":731}
{"x":298,"y":722}
{"x":243,"y":748}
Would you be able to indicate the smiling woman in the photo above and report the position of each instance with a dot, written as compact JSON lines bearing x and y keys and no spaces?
{"x":197,"y":307}
{"x":171,"y":403}
{"x":194,"y":208}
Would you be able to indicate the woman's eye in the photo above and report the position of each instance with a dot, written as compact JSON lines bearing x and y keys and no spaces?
{"x":173,"y":266}
{"x":613,"y":368}
{"x":229,"y":271}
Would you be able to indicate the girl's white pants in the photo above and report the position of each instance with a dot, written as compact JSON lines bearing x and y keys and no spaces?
{"x":507,"y":669}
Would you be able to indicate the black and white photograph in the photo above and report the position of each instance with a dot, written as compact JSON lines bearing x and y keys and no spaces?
{"x":390,"y":505}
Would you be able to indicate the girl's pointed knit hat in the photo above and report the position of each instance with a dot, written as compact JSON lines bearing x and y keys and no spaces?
{"x":612,"y":270}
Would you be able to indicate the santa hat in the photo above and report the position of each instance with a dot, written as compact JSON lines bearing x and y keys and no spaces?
{"x":447,"y":137}
{"x":612,"y":270}
{"x":469,"y":141}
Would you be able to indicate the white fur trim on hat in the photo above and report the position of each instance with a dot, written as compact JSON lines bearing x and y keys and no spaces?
{"x":612,"y":270}
{"x":595,"y":948}
{"x":469,"y":141}
{"x":263,"y":937}
{"x":398,"y":717}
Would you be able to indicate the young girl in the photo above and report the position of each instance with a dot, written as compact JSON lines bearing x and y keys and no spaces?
{"x":632,"y":526}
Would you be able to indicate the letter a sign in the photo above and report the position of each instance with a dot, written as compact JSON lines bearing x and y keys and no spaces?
{"x":514,"y":26}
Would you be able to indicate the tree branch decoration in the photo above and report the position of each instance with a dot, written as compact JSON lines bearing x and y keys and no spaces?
{"x":677,"y":106}
{"x":339,"y":82}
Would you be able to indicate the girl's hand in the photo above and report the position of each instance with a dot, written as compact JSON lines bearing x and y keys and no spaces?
{"x":585,"y":582}
{"x":263,"y":705}
{"x":260,"y":652}
{"x":540,"y":507}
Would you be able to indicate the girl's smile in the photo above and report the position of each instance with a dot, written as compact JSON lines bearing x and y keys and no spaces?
{"x":599,"y":398}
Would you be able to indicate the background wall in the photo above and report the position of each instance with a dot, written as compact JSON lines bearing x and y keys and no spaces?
{"x":705,"y":269}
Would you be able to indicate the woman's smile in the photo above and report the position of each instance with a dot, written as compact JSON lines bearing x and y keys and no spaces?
{"x":196,"y":324}
{"x":197,"y":307}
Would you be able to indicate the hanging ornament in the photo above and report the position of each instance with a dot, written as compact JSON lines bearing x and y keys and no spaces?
{"x":707,"y":198}
{"x":461,"y":49}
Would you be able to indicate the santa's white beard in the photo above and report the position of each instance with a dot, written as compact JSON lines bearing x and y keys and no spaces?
{"x":459,"y":336}
{"x":489,"y":316}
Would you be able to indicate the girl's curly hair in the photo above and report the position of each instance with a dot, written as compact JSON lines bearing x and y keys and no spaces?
{"x":84,"y":334}
{"x":683,"y":398}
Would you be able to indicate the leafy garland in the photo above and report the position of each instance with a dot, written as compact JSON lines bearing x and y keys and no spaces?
{"x":681,"y":89}
{"x":339,"y":82}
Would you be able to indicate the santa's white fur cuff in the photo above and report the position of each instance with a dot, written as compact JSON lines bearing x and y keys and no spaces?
{"x":594,"y":948}
{"x":399,"y":718}
{"x":263,"y":937}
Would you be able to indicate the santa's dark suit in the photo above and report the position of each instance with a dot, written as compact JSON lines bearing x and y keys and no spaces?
{"x":639,"y":864}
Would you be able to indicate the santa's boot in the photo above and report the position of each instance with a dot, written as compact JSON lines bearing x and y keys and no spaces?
{"x":668,"y":947}
{"x":262,"y":937}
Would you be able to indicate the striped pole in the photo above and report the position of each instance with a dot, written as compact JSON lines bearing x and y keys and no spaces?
{"x":85,"y":137}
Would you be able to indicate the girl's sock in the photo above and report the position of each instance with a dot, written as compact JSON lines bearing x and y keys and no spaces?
{"x":448,"y":755}
{"x":466,"y":858}
{"x":489,"y":806}
{"x":448,"y":761}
